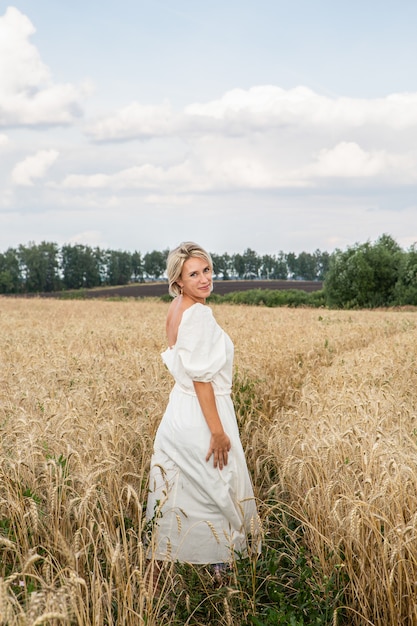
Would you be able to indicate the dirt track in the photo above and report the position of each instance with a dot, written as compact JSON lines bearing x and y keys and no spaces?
{"x":220,"y":286}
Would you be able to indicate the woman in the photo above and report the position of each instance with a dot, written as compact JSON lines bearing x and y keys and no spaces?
{"x":200,"y":494}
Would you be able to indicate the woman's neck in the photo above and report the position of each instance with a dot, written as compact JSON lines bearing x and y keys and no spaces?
{"x":187,"y":298}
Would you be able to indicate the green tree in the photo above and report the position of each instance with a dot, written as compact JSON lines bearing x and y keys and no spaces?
{"x":281,"y":267}
{"x":154,"y":264}
{"x":50,"y":256}
{"x":406,"y":287}
{"x":72,"y":264}
{"x":119,"y":267}
{"x":385,"y":258}
{"x":39,"y":266}
{"x":10,"y":277}
{"x":82,"y":266}
{"x":94,"y":267}
{"x":137,"y":267}
{"x":268,"y":264}
{"x":322,"y":264}
{"x":365,"y":275}
{"x":291,"y":260}
{"x":306,"y":266}
{"x":221,"y":265}
{"x":252,"y":263}
{"x":238,"y":265}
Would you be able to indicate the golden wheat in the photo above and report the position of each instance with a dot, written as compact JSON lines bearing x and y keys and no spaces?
{"x":327,"y":412}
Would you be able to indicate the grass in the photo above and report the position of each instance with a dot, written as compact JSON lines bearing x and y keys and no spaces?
{"x":326,"y":407}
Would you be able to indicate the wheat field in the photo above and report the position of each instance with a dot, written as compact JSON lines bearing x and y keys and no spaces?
{"x":326,"y":403}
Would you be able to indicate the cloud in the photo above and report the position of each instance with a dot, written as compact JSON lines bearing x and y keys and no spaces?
{"x":258,"y":109}
{"x":181,"y":177}
{"x":260,"y":139}
{"x":4,"y":140}
{"x":194,"y":176}
{"x":28,"y":94}
{"x":349,"y":160}
{"x":33,"y":167}
{"x":266,"y":106}
{"x":216,"y":166}
{"x":133,"y":121}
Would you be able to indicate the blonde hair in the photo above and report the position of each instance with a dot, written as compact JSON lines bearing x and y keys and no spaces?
{"x":176,"y":260}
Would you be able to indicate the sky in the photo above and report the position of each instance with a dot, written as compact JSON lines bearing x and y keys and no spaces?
{"x":268,"y":124}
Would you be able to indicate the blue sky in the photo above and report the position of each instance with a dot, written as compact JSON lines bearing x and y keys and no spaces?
{"x":271,"y":125}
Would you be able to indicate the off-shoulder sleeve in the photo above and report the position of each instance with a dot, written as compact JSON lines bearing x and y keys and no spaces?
{"x":200,"y":346}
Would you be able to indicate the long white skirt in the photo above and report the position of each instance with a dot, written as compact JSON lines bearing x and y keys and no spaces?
{"x":200,"y":514}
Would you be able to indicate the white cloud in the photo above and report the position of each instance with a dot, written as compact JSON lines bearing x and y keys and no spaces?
{"x":261,"y":139}
{"x":349,"y":160}
{"x":217,"y":166}
{"x":4,"y":140}
{"x":261,"y":108}
{"x":20,"y":67}
{"x":33,"y":167}
{"x":133,"y":121}
{"x":247,"y":172}
{"x":196,"y":176}
{"x":28,"y":94}
{"x":267,"y":106}
{"x":181,"y":177}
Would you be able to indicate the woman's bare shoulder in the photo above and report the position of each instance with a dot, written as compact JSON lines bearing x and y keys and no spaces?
{"x":174,"y":316}
{"x":175,"y":313}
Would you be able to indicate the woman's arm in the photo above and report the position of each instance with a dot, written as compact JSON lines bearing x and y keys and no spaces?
{"x":219,"y":442}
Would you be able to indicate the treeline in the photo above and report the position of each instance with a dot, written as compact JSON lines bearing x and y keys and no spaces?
{"x":366,"y":275}
{"x":45,"y":267}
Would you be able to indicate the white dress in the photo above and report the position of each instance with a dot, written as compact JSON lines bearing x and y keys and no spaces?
{"x":202,"y":514}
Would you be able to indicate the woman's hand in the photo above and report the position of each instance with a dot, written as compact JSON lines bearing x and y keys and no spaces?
{"x":219,"y":448}
{"x":219,"y":441}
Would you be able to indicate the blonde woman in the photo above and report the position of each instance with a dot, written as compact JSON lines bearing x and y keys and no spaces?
{"x":200,"y":493}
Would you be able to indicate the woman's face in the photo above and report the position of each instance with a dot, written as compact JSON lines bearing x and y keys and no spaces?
{"x":196,"y":279}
